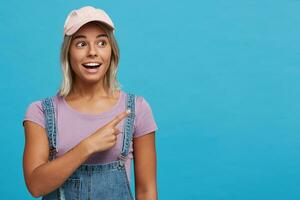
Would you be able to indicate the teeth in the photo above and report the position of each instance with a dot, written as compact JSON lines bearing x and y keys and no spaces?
{"x":91,"y":64}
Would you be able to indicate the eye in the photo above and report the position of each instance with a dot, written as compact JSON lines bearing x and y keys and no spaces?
{"x":80,"y":44}
{"x":102,"y":43}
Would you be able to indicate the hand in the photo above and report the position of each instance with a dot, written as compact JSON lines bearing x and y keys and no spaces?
{"x":105,"y":137}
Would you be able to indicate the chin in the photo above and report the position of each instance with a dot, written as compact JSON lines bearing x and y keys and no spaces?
{"x":93,"y":80}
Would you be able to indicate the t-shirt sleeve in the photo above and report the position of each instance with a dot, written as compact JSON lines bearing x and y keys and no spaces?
{"x":35,"y":114}
{"x":144,"y":119}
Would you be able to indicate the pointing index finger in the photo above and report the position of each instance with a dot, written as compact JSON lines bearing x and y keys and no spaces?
{"x":119,"y":118}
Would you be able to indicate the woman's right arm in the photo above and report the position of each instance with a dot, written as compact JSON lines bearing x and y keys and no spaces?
{"x":42,"y":176}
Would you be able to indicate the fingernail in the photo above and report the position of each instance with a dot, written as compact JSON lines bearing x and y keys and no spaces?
{"x":128,"y":111}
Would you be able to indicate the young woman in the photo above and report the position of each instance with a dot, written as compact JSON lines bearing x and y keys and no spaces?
{"x":79,"y":143}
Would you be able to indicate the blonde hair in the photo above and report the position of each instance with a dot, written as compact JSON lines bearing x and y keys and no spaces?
{"x":110,"y":77}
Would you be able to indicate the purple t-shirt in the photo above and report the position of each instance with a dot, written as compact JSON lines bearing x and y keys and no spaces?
{"x":73,"y":126}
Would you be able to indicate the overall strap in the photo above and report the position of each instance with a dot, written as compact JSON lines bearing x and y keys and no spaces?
{"x":128,"y":126}
{"x":50,"y":124}
{"x":51,"y":127}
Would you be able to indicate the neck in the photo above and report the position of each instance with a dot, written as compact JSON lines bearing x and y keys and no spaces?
{"x":89,"y":91}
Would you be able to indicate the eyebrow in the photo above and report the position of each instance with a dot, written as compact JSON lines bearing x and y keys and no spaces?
{"x":82,"y":36}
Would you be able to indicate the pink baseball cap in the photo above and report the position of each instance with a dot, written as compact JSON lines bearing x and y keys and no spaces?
{"x":77,"y":18}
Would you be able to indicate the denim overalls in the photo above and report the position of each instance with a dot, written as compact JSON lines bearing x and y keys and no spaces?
{"x":93,"y":181}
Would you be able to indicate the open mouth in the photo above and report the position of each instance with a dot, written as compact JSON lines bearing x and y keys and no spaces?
{"x":91,"y":65}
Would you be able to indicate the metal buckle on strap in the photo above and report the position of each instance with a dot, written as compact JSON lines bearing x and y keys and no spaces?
{"x":123,"y":158}
{"x":52,"y":151}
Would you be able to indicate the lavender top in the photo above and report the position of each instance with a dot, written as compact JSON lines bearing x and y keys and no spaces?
{"x":73,"y":126}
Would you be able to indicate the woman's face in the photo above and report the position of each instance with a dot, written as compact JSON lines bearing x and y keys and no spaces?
{"x":90,"y":53}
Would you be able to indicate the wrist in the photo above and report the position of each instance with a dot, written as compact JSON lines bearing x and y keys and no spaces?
{"x":87,"y":148}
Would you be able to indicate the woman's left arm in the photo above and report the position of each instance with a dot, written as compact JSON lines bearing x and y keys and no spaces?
{"x":145,"y":167}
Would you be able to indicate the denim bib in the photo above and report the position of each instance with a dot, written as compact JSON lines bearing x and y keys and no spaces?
{"x":92,"y":181}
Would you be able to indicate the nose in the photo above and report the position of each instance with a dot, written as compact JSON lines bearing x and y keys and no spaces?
{"x":92,"y":51}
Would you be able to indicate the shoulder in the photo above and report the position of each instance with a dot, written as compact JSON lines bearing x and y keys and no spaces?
{"x":34,"y":111}
{"x":142,"y":105}
{"x":144,"y":122}
{"x":37,"y":104}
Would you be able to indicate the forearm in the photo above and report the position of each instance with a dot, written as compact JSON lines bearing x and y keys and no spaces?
{"x":146,"y":192}
{"x":49,"y":176}
{"x":149,"y":195}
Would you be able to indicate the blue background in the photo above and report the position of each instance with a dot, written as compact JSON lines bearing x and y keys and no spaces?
{"x":222,"y":79}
